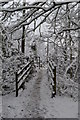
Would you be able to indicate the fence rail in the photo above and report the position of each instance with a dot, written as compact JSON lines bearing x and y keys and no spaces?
{"x":52,"y":76}
{"x":22,"y":75}
{"x":37,"y":61}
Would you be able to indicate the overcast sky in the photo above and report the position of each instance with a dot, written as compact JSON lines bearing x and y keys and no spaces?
{"x":39,"y":0}
{"x":54,"y":0}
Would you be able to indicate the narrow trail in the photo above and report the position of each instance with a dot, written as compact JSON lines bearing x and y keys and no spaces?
{"x":38,"y":92}
{"x":28,"y":103}
{"x":34,"y":102}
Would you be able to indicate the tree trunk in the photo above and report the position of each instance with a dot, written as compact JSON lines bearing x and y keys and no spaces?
{"x":79,"y":64}
{"x":70,"y":41}
{"x":65,"y":51}
{"x":23,"y":33}
{"x":3,"y":40}
{"x":47,"y":48}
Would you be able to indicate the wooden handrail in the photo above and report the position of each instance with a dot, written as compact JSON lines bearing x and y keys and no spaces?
{"x":22,"y":74}
{"x":20,"y":71}
{"x":52,"y":71}
{"x":39,"y":62}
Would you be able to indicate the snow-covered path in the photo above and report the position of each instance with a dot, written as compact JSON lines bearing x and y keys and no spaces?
{"x":28,"y":103}
{"x":35,"y":101}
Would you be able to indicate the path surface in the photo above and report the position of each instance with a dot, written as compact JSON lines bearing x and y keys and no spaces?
{"x":36,"y":102}
{"x":28,"y":102}
{"x":35,"y":98}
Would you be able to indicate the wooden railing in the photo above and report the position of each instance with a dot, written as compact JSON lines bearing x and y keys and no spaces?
{"x":37,"y":61}
{"x":52,"y":76}
{"x":22,"y":75}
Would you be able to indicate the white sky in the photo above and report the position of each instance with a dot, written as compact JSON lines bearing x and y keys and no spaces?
{"x":38,"y":0}
{"x":54,"y":0}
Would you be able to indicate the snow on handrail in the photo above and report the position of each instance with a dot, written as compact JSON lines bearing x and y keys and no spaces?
{"x":21,"y":74}
{"x":52,"y":71}
{"x":20,"y":77}
{"x":24,"y":67}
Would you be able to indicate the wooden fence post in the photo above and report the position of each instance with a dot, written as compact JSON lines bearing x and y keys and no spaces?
{"x":32,"y":64}
{"x":32,"y":61}
{"x":48,"y":70}
{"x":54,"y":71}
{"x":39,"y":62}
{"x":16,"y":85}
{"x":54,"y":85}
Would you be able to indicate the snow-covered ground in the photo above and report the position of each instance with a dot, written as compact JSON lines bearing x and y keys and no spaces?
{"x":0,"y":76}
{"x":35,"y":101}
{"x":0,"y":105}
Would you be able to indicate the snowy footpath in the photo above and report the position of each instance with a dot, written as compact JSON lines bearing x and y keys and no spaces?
{"x":35,"y":101}
{"x":0,"y":104}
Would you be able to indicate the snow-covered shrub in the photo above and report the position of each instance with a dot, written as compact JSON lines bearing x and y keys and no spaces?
{"x":67,"y":87}
{"x":9,"y":67}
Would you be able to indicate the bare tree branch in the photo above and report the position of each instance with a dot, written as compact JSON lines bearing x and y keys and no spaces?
{"x":21,"y":8}
{"x":68,"y":29}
